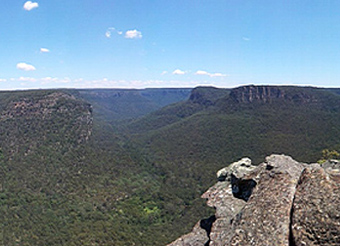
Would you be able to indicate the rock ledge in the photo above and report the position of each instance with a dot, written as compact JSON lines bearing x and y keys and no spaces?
{"x":279,"y":202}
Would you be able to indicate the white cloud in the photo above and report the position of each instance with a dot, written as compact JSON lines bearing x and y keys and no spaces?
{"x":133,"y":34}
{"x":200,"y":72}
{"x":48,"y":80}
{"x":25,"y":66}
{"x":164,"y":72}
{"x":27,"y":79}
{"x":79,"y":80}
{"x":108,"y":34}
{"x":3,"y":80}
{"x":218,"y":75}
{"x":178,"y":72}
{"x":55,"y":82}
{"x":246,"y":39}
{"x":108,"y":83}
{"x":110,"y":30}
{"x":30,"y":5}
{"x":44,"y":50}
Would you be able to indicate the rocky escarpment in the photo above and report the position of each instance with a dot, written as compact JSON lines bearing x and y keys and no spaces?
{"x":279,"y":202}
{"x":267,"y":94}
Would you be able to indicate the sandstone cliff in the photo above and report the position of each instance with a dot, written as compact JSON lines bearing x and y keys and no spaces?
{"x":279,"y":202}
{"x":267,"y":94}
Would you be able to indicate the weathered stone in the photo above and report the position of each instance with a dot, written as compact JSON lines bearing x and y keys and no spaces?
{"x":238,"y":169}
{"x":284,"y":164}
{"x":268,"y":94}
{"x":316,"y":216}
{"x":290,"y":203}
{"x":230,"y":197}
{"x":224,"y":197}
{"x":334,"y":164}
{"x":220,"y":196}
{"x":265,"y":219}
{"x":198,"y":237}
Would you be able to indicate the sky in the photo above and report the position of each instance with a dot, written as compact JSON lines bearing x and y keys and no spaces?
{"x":168,"y":43}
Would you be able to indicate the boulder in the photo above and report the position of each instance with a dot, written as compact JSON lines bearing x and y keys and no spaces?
{"x":334,"y":164}
{"x":237,"y":169}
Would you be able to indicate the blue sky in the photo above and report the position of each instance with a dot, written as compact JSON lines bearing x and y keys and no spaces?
{"x":168,"y":43}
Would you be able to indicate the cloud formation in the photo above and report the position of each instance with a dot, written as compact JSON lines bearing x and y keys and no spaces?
{"x":178,"y":72}
{"x":218,"y":75}
{"x":44,"y":50}
{"x":27,"y":79}
{"x":109,"y":31}
{"x":25,"y":66}
{"x":201,"y":72}
{"x":30,"y":5}
{"x":133,"y":34}
{"x":108,"y":34}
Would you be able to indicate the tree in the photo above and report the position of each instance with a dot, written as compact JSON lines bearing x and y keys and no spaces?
{"x":328,"y":154}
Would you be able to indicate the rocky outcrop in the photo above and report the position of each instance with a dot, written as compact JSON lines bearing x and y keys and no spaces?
{"x":199,"y":235}
{"x":288,"y":203}
{"x":265,"y":219}
{"x":316,"y":210}
{"x":256,"y":93}
{"x":267,"y":94}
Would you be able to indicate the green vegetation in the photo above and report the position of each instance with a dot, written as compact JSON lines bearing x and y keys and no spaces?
{"x":328,"y":155}
{"x":97,"y":167}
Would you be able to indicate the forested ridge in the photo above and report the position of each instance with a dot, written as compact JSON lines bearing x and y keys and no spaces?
{"x":127,"y":167}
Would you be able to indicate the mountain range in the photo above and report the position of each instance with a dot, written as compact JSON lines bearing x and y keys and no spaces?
{"x":127,"y":167}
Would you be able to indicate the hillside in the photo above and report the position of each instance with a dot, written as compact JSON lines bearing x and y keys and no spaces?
{"x":201,"y":138}
{"x":67,"y":178}
{"x":123,"y":104}
{"x":127,"y":167}
{"x":304,"y":117}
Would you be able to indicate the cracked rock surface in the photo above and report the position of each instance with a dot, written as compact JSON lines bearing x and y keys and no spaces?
{"x":279,"y":202}
{"x":316,"y":216}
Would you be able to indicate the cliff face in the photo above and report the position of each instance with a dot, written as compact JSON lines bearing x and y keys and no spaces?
{"x":290,"y":203}
{"x":267,"y":94}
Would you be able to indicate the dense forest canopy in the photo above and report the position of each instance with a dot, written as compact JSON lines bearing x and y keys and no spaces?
{"x":127,"y":167}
